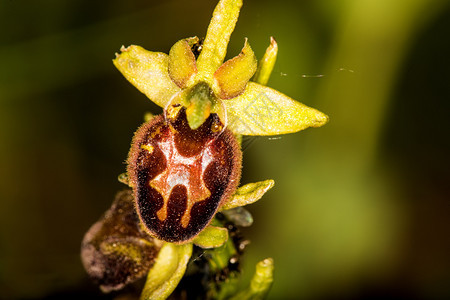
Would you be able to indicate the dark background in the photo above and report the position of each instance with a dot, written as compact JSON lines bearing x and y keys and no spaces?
{"x":361,"y":206}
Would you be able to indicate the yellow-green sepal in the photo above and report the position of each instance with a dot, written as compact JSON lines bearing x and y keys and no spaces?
{"x":261,"y":110}
{"x":211,"y":237}
{"x":148,"y":72}
{"x":248,"y":194}
{"x":167,"y":271}
{"x":214,"y":49}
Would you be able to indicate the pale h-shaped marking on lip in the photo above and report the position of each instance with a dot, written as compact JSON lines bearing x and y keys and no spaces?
{"x":182,"y":170}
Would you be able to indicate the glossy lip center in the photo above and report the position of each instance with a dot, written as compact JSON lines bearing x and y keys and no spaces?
{"x":182,"y":170}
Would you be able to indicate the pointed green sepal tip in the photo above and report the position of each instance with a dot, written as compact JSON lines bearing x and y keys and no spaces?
{"x":261,"y":110}
{"x":167,"y":271}
{"x":267,"y":63}
{"x":148,"y":72}
{"x":211,"y":237}
{"x":182,"y":65}
{"x":249,"y":193}
{"x":232,"y":77}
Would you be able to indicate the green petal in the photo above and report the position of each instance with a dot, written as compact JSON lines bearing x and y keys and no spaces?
{"x":148,"y":72}
{"x":266,"y":64}
{"x":167,"y":272}
{"x":215,"y":45}
{"x":232,"y":77}
{"x":249,"y":193}
{"x":261,"y":110}
{"x":182,"y":65}
{"x":211,"y":237}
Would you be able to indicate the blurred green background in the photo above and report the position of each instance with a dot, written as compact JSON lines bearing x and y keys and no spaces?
{"x":361,"y":207}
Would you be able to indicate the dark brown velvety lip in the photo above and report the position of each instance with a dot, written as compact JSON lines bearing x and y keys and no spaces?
{"x":181,"y":177}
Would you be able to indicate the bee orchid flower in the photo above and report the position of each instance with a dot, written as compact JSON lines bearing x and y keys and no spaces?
{"x":184,"y":166}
